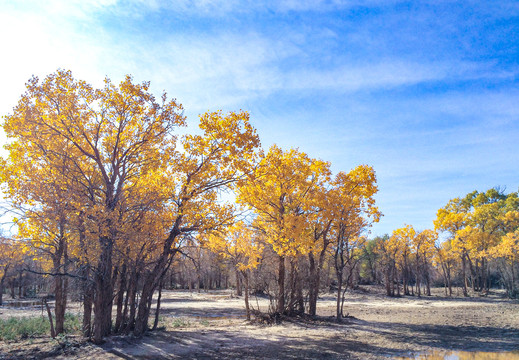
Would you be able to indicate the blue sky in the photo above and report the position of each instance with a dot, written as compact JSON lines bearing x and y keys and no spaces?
{"x":424,"y":91}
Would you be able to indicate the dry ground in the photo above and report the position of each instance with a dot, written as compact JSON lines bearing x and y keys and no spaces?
{"x":212,"y":326}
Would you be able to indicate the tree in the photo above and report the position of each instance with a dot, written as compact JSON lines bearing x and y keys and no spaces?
{"x":446,"y":258}
{"x":209,"y":163}
{"x":452,"y":218}
{"x":11,"y":253}
{"x":477,"y":224}
{"x":403,"y":238}
{"x":320,"y":226}
{"x":508,"y":252}
{"x":280,"y":193}
{"x":129,"y":189}
{"x":353,"y":212}
{"x":423,"y":246}
{"x":238,"y":244}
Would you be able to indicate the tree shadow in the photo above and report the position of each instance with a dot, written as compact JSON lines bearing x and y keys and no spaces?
{"x":448,"y":337}
{"x":228,"y":344}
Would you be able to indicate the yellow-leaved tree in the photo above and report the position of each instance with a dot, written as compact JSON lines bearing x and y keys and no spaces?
{"x":120,"y":181}
{"x":352,"y":211}
{"x":11,"y":253}
{"x":280,"y":192}
{"x":239,"y":244}
{"x":477,"y":224}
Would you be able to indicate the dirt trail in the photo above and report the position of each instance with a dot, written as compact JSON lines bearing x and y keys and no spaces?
{"x":212,"y":326}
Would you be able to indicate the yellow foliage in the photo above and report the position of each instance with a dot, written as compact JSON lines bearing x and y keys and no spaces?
{"x":239,"y":244}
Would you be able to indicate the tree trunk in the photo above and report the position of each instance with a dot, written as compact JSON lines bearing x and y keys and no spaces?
{"x":20,"y":284}
{"x":152,"y":280}
{"x":247,"y":308}
{"x":104,"y":292}
{"x":60,"y":259}
{"x":464,"y":273}
{"x":60,"y":293}
{"x":88,"y":300}
{"x":2,"y":282}
{"x":238,"y":284}
{"x":388,"y":278}
{"x":281,"y":285}
{"x":49,"y":314}
{"x":143,"y":310}
{"x":120,"y":299}
{"x":339,"y":293}
{"x":157,"y":311}
{"x":131,"y":298}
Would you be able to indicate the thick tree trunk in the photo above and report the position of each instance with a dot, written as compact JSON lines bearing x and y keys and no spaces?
{"x":292,"y":287}
{"x":60,"y":292}
{"x":313,"y":286}
{"x":143,"y":310}
{"x":103,"y":293}
{"x":60,"y":259}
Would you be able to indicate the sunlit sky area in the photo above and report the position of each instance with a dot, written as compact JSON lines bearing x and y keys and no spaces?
{"x":424,"y":91}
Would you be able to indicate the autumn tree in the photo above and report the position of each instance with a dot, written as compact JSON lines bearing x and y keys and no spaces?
{"x":210,"y":162}
{"x":11,"y":253}
{"x":446,"y":259}
{"x":477,"y":224}
{"x":423,"y":246}
{"x":319,"y":233}
{"x":123,"y":167}
{"x":507,"y":254}
{"x":388,"y":250}
{"x":240,"y":246}
{"x":451,"y":219}
{"x":353,"y":212}
{"x":280,"y":194}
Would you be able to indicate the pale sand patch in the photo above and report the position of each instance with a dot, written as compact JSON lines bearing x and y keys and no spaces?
{"x":212,"y":326}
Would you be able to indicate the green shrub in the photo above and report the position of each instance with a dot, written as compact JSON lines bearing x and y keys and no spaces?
{"x":24,"y":327}
{"x":28,"y":327}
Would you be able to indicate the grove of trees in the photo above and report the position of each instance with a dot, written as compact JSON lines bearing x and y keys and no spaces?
{"x":113,"y":206}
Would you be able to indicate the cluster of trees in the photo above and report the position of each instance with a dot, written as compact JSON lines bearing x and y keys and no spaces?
{"x":405,"y":258}
{"x":113,"y":205}
{"x":109,"y":195}
{"x":483,"y":229}
{"x":479,"y":249}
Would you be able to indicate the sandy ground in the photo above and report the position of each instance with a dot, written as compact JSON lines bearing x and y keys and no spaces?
{"x":212,"y":326}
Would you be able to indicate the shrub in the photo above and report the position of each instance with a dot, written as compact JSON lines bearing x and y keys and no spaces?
{"x":28,"y":327}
